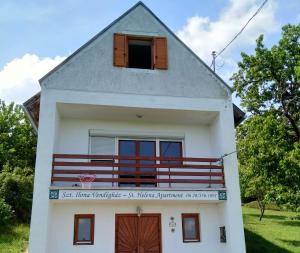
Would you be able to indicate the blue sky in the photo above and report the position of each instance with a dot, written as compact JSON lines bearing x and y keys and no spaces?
{"x":37,"y":35}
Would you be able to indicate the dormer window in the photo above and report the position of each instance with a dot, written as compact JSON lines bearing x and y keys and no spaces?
{"x":140,"y":52}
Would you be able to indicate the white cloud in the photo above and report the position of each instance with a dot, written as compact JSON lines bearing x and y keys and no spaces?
{"x":19,"y":78}
{"x":204,"y":35}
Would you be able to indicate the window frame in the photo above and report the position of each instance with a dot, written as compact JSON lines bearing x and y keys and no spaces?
{"x":159,"y":50}
{"x":196,"y":216}
{"x":76,"y":227}
{"x":141,"y":38}
{"x":172,"y":141}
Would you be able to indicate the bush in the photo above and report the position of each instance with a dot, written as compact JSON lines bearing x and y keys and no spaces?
{"x":6,"y":214}
{"x":16,"y":190}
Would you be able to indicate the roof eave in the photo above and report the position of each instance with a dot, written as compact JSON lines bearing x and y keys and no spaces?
{"x":27,"y":108}
{"x":29,"y":116}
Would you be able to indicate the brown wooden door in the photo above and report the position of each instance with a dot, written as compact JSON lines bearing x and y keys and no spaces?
{"x":138,"y":234}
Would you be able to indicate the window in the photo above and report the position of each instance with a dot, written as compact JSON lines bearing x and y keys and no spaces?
{"x":190,"y":227}
{"x":140,"y":52}
{"x":84,"y":229}
{"x":100,"y":145}
{"x":171,"y":149}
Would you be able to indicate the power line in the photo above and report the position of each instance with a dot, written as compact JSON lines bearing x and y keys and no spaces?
{"x":243,"y":28}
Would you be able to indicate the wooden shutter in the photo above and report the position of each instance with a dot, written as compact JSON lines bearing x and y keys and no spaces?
{"x":120,"y":50}
{"x":161,"y":53}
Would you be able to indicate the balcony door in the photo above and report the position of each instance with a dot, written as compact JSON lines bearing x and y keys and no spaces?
{"x":137,"y":148}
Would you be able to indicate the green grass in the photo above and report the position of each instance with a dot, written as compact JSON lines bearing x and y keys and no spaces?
{"x":276,"y":233}
{"x":15,"y":239}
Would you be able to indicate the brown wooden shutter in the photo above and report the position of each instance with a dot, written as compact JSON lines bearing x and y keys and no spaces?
{"x":161,"y":53}
{"x":120,"y":50}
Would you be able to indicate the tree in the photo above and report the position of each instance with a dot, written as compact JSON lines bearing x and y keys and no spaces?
{"x":268,"y":162}
{"x":16,"y":186}
{"x":270,"y":80}
{"x":268,"y":142}
{"x":17,"y":137}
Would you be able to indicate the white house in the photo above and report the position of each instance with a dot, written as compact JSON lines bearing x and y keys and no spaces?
{"x":136,"y":112}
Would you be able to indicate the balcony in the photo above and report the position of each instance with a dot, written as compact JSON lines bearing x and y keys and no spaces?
{"x":121,"y":172}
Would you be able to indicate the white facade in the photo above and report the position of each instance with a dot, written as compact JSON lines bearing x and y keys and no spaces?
{"x":87,"y":96}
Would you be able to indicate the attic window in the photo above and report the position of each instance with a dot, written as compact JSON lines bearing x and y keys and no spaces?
{"x":139,"y":54}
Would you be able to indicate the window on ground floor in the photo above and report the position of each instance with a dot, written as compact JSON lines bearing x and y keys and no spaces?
{"x":190,"y":227}
{"x":84,"y":229}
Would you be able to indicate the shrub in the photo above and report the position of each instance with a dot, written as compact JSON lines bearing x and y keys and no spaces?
{"x":6,"y":213}
{"x":16,"y":190}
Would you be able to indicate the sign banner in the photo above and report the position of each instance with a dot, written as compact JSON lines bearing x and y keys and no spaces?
{"x":78,"y":194}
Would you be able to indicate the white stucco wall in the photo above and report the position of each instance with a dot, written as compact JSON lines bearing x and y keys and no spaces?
{"x":186,"y":75}
{"x":58,"y":134}
{"x":61,"y":230}
{"x":74,"y":135}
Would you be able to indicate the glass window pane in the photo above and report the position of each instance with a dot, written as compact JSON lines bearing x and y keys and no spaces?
{"x":170,"y":149}
{"x":84,"y":229}
{"x":147,"y":148}
{"x":127,"y":148}
{"x":190,"y":228}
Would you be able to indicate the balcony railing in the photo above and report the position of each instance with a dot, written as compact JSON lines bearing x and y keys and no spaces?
{"x":120,"y":171}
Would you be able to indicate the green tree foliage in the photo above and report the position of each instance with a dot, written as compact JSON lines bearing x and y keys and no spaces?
{"x":6,"y":214}
{"x":268,"y":84}
{"x":268,"y":162}
{"x":17,"y":137}
{"x":17,"y":157}
{"x":270,"y":79}
{"x":16,"y":190}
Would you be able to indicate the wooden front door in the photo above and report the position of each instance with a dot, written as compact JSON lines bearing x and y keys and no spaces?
{"x":136,"y":234}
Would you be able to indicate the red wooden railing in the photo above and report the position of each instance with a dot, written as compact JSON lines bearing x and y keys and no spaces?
{"x":170,"y":171}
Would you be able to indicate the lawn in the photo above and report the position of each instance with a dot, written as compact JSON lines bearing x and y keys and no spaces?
{"x":276,"y":233}
{"x":14,"y":240}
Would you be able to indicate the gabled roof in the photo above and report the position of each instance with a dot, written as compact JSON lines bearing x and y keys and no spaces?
{"x":116,"y":21}
{"x":32,"y":106}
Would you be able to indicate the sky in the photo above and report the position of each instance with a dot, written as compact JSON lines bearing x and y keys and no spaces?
{"x":37,"y":35}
